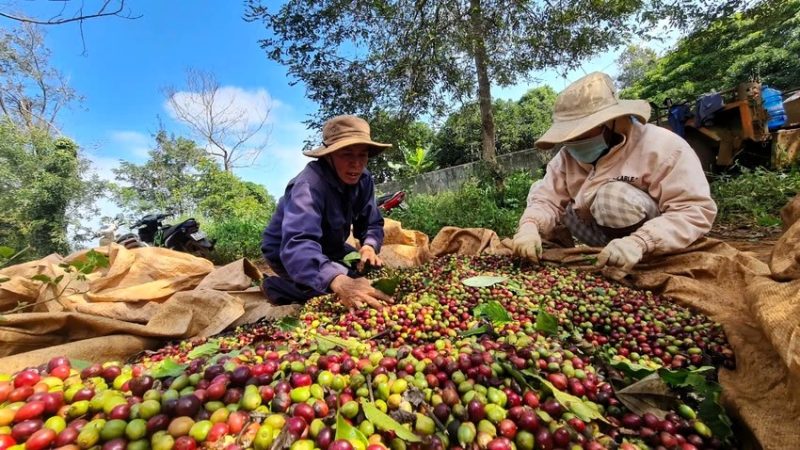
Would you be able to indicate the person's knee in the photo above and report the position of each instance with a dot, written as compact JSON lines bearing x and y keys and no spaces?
{"x":620,"y":205}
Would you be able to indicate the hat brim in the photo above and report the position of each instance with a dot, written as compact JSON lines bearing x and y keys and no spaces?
{"x":375,"y":148}
{"x":568,"y":130}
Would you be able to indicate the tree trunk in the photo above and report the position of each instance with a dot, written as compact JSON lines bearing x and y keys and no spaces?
{"x":484,"y":88}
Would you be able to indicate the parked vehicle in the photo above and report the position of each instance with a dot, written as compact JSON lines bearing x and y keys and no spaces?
{"x":108,"y":234}
{"x":185,"y":236}
{"x":390,"y":201}
{"x":750,"y":125}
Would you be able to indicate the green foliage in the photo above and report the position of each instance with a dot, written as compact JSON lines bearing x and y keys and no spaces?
{"x":633,"y":63}
{"x":487,"y":209}
{"x":236,"y":237}
{"x":166,"y":181}
{"x":221,"y":195}
{"x":41,"y":181}
{"x":763,"y":41}
{"x":518,"y":124}
{"x":754,"y":197}
{"x":401,"y":133}
{"x":416,"y":161}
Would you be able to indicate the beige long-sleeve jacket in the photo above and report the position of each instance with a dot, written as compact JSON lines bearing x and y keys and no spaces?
{"x":649,"y":157}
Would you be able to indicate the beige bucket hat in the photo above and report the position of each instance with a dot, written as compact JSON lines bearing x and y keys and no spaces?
{"x":343,"y":131}
{"x":585,"y":104}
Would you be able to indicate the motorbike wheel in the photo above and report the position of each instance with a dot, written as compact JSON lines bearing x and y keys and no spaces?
{"x":197,"y":250}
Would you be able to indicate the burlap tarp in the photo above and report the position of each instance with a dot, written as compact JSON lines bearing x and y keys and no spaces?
{"x":758,"y":306}
{"x":144,"y":297}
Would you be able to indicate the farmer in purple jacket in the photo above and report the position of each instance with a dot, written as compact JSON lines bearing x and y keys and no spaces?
{"x":304,"y":242}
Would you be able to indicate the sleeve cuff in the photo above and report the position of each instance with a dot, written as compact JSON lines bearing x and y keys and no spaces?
{"x":327,"y":273}
{"x":372,"y":242}
{"x":643,"y":243}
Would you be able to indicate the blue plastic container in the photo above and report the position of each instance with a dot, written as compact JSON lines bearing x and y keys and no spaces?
{"x":773,"y":103}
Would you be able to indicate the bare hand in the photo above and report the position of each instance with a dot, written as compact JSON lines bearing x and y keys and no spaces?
{"x":368,"y":256}
{"x":355,"y":292}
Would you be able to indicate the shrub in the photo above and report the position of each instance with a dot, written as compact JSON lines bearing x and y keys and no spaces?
{"x":474,"y":205}
{"x":236,"y":237}
{"x":754,"y":197}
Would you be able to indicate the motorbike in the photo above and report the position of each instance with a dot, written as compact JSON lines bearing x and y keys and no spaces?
{"x":185,"y":236}
{"x":108,"y":234}
{"x":388,"y":202}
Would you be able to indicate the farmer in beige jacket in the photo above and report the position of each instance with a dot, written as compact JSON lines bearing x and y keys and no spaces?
{"x":617,"y":182}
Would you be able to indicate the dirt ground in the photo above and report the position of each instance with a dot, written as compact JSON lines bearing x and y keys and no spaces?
{"x":758,"y":241}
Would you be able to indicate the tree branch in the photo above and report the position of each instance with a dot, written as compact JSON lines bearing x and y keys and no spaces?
{"x":80,"y":17}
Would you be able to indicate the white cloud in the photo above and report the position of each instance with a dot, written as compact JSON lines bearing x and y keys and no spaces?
{"x":233,"y":103}
{"x":132,"y":143}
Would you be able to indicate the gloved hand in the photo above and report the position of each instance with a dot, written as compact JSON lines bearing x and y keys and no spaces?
{"x":624,"y":252}
{"x":527,"y":242}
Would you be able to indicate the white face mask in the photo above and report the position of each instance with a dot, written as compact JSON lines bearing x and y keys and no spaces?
{"x":587,"y":150}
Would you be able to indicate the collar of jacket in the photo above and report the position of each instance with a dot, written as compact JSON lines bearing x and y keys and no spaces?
{"x":629,"y":132}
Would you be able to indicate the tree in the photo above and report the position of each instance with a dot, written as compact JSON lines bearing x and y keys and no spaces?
{"x":41,"y":188}
{"x":32,"y":93}
{"x":415,"y":58}
{"x":74,"y":11}
{"x":164,"y":182}
{"x":519,"y":124}
{"x":762,"y":42}
{"x":180,"y":177}
{"x":214,"y":115}
{"x":401,"y":133}
{"x":633,"y":63}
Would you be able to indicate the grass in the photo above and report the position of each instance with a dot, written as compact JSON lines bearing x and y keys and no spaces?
{"x":754,"y":198}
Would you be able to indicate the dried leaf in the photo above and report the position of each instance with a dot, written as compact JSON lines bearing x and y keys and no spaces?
{"x":650,"y":394}
{"x":386,"y":423}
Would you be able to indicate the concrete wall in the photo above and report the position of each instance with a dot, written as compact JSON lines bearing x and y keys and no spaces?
{"x":452,"y":178}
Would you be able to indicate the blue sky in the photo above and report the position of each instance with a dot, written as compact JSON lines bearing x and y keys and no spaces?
{"x":128,"y":62}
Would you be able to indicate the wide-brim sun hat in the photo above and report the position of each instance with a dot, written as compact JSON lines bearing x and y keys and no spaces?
{"x":586,"y":104}
{"x":343,"y":131}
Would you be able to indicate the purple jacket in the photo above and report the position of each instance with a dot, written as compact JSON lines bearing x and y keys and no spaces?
{"x":308,"y":230}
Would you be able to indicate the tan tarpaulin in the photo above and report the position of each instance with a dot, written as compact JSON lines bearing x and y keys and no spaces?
{"x":144,"y":297}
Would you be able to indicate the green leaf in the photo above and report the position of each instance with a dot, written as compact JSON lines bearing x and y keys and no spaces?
{"x":387,"y":285}
{"x":585,"y":410}
{"x":288,"y":323}
{"x":58,"y":279}
{"x":492,"y":311}
{"x":350,"y":258}
{"x":329,"y":342}
{"x":518,"y":376}
{"x":483,"y":281}
{"x":546,"y":322}
{"x":167,"y":368}
{"x":6,"y":252}
{"x":207,"y":349}
{"x":710,"y":411}
{"x":630,"y":369}
{"x":4,"y":279}
{"x":43,"y":278}
{"x":79,"y":364}
{"x":346,"y":431}
{"x":474,"y":331}
{"x":219,"y":356}
{"x":384,"y":422}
